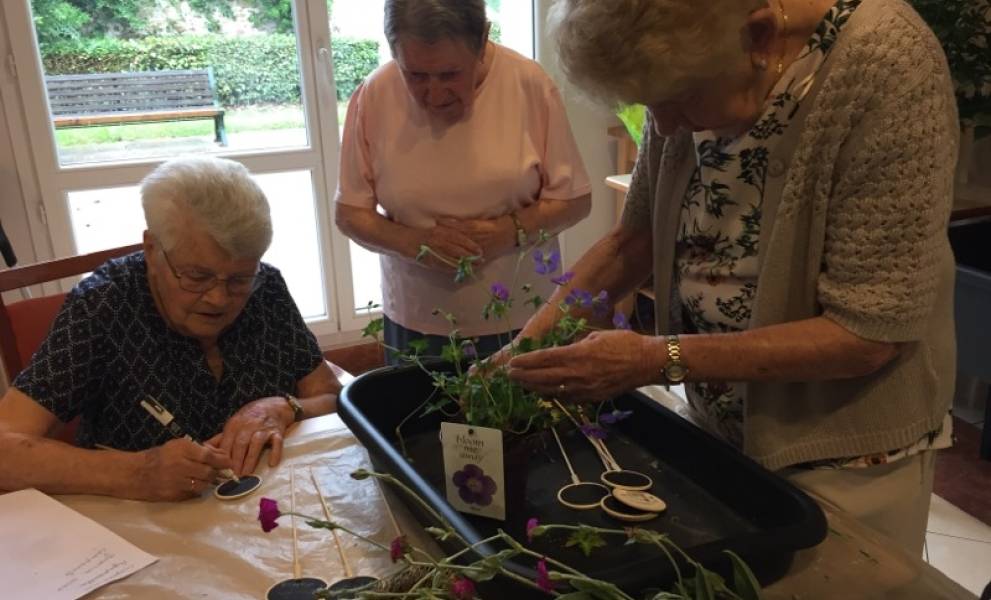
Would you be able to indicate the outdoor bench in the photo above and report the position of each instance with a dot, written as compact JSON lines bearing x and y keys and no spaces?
{"x":136,"y":97}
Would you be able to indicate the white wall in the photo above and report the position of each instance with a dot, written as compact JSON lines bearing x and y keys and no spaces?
{"x":589,"y":124}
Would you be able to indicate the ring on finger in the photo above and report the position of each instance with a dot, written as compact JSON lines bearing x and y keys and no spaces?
{"x":192,"y":484}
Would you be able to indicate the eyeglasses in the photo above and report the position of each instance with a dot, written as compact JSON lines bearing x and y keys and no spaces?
{"x":201,"y":282}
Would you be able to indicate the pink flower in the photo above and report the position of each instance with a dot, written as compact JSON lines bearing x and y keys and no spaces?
{"x":268,"y":512}
{"x":543,"y":577}
{"x":462,"y":588}
{"x":398,"y":548}
{"x":532,"y":524}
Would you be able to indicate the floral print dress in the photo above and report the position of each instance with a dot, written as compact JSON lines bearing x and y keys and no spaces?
{"x":717,"y":256}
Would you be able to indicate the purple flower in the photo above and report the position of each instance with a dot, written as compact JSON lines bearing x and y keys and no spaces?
{"x":398,"y":548}
{"x":611,"y":418}
{"x":462,"y":588}
{"x":594,"y":431}
{"x":579,"y":298}
{"x":600,"y":305}
{"x":268,"y":512}
{"x":474,"y":486}
{"x":532,"y":524}
{"x":563,"y":279}
{"x":543,"y":577}
{"x":499,"y":292}
{"x":619,"y":321}
{"x":546,"y":264}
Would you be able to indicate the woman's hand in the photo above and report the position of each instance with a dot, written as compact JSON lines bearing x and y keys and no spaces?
{"x":597,"y":368}
{"x":177,"y":470}
{"x":450,"y":243}
{"x":258,"y":424}
{"x":494,"y":237}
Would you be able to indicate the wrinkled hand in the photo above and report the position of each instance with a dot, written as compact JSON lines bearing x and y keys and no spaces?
{"x":258,"y":424}
{"x":450,"y":243}
{"x":178,"y":470}
{"x":597,"y":368}
{"x":489,"y":234}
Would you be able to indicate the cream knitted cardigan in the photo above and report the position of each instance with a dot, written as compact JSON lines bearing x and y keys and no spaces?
{"x":853,"y":228}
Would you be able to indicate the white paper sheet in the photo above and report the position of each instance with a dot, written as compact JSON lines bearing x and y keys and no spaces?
{"x":50,"y":551}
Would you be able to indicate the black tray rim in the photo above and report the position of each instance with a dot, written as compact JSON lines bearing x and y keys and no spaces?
{"x":806,"y":533}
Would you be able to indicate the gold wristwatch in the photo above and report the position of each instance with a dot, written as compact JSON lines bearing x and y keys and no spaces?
{"x":675,"y":370}
{"x":297,"y":408}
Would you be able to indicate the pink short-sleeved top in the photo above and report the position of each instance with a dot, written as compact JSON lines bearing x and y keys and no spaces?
{"x":514,"y":148}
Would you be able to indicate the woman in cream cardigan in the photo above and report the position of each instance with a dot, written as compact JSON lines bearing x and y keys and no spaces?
{"x":793,"y":189}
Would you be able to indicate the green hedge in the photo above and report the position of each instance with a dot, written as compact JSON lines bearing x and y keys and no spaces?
{"x":259,"y":69}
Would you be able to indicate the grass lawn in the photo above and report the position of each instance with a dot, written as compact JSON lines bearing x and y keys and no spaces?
{"x":236,"y":120}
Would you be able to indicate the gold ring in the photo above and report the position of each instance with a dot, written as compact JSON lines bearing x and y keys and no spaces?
{"x":192,"y":484}
{"x":561,"y":387}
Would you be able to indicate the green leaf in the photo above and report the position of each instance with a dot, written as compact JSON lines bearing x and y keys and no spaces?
{"x":418,"y":346}
{"x":576,"y":596}
{"x":587,"y":540}
{"x":745,"y":584}
{"x":374,"y":328}
{"x":703,"y":587}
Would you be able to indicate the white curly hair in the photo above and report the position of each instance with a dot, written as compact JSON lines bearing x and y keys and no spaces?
{"x":647,"y":51}
{"x":218,"y":194}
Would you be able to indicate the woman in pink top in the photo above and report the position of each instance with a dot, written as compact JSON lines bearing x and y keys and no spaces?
{"x":464,"y":146}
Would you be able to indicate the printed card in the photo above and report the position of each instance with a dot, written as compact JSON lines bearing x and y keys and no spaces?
{"x":473,"y":469}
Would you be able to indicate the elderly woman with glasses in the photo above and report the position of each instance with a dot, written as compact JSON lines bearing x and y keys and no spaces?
{"x":790,"y":200}
{"x":196,"y":322}
{"x":463,"y":146}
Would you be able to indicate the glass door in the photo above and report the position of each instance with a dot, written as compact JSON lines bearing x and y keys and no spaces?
{"x":111,"y":89}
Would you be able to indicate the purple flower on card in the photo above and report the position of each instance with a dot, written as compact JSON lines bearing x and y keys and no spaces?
{"x":594,"y":431}
{"x":474,"y":486}
{"x":499,"y":292}
{"x":545,"y":264}
{"x":611,"y":418}
{"x":268,"y":513}
{"x":619,"y":321}
{"x":563,"y":279}
{"x":543,"y":577}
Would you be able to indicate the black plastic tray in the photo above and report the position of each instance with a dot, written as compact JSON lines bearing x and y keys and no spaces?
{"x":717,"y":498}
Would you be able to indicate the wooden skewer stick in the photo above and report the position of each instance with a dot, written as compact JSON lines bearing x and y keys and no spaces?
{"x":297,"y":570}
{"x":388,"y":509}
{"x":337,"y":540}
{"x":607,"y":460}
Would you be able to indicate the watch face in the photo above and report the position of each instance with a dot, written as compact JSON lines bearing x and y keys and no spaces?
{"x":675,"y":372}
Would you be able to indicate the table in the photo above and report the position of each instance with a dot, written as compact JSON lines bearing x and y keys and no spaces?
{"x":213,"y":549}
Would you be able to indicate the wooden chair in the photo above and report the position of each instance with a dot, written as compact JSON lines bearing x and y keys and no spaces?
{"x":24,"y":324}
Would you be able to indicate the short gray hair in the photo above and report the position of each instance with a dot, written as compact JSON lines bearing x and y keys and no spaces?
{"x":433,"y":20}
{"x":218,"y":194}
{"x":644,"y":51}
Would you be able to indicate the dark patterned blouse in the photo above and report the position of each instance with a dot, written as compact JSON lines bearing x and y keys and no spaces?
{"x":109,"y":348}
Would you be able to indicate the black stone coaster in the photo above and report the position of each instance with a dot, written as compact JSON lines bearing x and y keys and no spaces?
{"x":629,"y":480}
{"x":231,"y":490}
{"x":351,"y":583}
{"x":582,"y":496}
{"x":304,"y":588}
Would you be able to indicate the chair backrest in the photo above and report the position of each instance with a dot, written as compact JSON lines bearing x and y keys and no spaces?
{"x":24,"y":324}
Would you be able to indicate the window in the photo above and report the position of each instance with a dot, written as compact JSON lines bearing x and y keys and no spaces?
{"x":282,"y":78}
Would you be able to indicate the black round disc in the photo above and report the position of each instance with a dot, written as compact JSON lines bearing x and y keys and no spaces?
{"x":231,"y":489}
{"x":630,"y":480}
{"x":303,"y":588}
{"x":351,"y":583}
{"x":582,"y":496}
